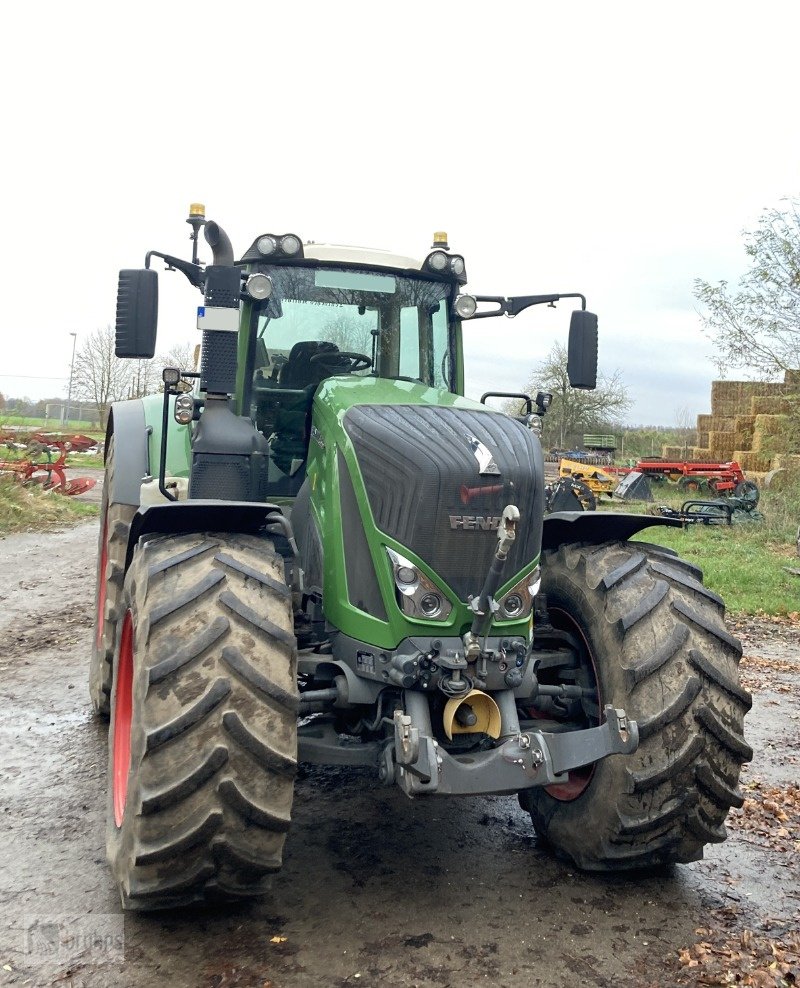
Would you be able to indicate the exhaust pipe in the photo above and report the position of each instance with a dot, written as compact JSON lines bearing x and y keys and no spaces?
{"x":219,"y":242}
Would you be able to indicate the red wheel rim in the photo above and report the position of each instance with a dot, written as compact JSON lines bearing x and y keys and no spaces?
{"x":101,"y":581}
{"x":123,"y":710}
{"x":579,"y":778}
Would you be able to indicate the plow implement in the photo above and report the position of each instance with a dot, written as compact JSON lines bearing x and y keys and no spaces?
{"x":45,"y":460}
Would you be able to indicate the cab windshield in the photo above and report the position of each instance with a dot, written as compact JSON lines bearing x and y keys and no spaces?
{"x":399,"y":325}
{"x":322,"y":322}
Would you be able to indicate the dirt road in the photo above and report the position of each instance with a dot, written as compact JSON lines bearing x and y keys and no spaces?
{"x":376,"y":890}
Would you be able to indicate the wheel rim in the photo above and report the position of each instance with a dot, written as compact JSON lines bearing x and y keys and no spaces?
{"x":101,"y":582}
{"x":578,"y":779}
{"x":123,"y":710}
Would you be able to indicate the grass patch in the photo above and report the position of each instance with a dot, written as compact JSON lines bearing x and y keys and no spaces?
{"x":744,"y":564}
{"x":26,"y":509}
{"x":52,"y":425}
{"x":84,"y":460}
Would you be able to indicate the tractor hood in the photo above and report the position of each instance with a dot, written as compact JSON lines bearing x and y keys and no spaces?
{"x":432,"y":471}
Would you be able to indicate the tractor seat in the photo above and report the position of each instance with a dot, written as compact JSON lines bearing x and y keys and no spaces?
{"x":299,"y":372}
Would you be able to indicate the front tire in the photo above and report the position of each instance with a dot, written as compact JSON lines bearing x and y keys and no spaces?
{"x":203,"y":739}
{"x":656,"y":644}
{"x":115,"y":524}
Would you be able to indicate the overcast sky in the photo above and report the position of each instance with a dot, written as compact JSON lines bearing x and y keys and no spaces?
{"x":616,"y":149}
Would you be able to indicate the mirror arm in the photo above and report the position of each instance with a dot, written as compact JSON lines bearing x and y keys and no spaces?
{"x":510,"y":394}
{"x":516,"y":304}
{"x":520,"y":302}
{"x":193,"y":272}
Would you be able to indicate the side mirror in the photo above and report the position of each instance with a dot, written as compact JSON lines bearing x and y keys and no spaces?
{"x":137,"y":314}
{"x":582,"y":350}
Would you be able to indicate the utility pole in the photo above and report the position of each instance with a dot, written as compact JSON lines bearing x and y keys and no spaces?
{"x":71,"y":371}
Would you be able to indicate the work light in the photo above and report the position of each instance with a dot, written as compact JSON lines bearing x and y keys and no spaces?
{"x":259,"y":286}
{"x":466,"y":306}
{"x":267,"y":245}
{"x":290,"y":244}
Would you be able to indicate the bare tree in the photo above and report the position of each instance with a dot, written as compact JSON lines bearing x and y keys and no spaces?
{"x":575,"y":411}
{"x":757,"y":325}
{"x":349,"y":333}
{"x":181,"y":355}
{"x":144,"y":378}
{"x":686,"y":426}
{"x":100,"y":377}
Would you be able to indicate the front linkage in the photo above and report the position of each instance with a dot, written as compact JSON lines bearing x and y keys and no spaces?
{"x":527,"y":759}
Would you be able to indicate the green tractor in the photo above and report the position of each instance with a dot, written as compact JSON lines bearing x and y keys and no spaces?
{"x":315,"y":549}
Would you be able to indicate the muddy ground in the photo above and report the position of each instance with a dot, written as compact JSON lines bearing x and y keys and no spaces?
{"x":376,"y":890}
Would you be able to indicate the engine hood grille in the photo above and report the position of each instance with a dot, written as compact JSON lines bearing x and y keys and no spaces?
{"x":422,"y":475}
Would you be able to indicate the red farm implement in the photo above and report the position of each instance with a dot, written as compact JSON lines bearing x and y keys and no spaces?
{"x":41,"y":459}
{"x":719,"y":478}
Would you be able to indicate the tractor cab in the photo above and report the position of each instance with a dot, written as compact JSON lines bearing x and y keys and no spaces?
{"x":337,"y":313}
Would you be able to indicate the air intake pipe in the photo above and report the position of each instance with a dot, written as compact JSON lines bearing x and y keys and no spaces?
{"x":219,"y":318}
{"x":219,"y":242}
{"x":228,"y":453}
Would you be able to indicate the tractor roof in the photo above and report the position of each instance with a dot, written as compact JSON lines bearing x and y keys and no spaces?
{"x":368,"y":256}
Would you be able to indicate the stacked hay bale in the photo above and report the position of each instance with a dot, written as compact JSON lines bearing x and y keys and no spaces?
{"x":703,"y":429}
{"x":743,"y":427}
{"x":771,"y":405}
{"x":746,"y":421}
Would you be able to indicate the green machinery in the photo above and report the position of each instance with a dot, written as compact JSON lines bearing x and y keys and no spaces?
{"x":314,"y":548}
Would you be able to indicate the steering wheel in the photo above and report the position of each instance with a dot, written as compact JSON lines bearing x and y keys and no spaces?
{"x":336,"y":365}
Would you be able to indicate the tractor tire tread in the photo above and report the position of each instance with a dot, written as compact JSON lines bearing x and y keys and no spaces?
{"x":115,"y":523}
{"x":661,"y":651}
{"x":214,"y":735}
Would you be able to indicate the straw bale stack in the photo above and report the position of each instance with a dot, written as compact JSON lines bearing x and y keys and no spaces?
{"x":743,"y":431}
{"x":722,"y":444}
{"x":751,"y":462}
{"x":770,"y":405}
{"x":722,"y":423}
{"x":767,"y":426}
{"x":726,"y":408}
{"x":747,"y":422}
{"x":792,"y":379}
{"x":786,"y":461}
{"x":742,"y":391}
{"x":675,"y":452}
{"x":704,"y":423}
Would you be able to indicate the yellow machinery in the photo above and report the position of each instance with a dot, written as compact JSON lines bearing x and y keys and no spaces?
{"x":597,"y":480}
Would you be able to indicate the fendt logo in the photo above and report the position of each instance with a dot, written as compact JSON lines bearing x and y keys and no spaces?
{"x":475,"y":523}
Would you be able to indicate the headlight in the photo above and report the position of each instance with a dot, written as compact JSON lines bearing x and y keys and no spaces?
{"x":290,"y":244}
{"x":466,"y":306}
{"x":513,"y":604}
{"x":417,"y":596}
{"x":184,"y":409}
{"x":437,"y":261}
{"x":535,"y":424}
{"x":457,"y":265}
{"x":431,"y":605}
{"x":517,"y":602}
{"x":267,"y":245}
{"x":259,"y":286}
{"x":406,"y":576}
